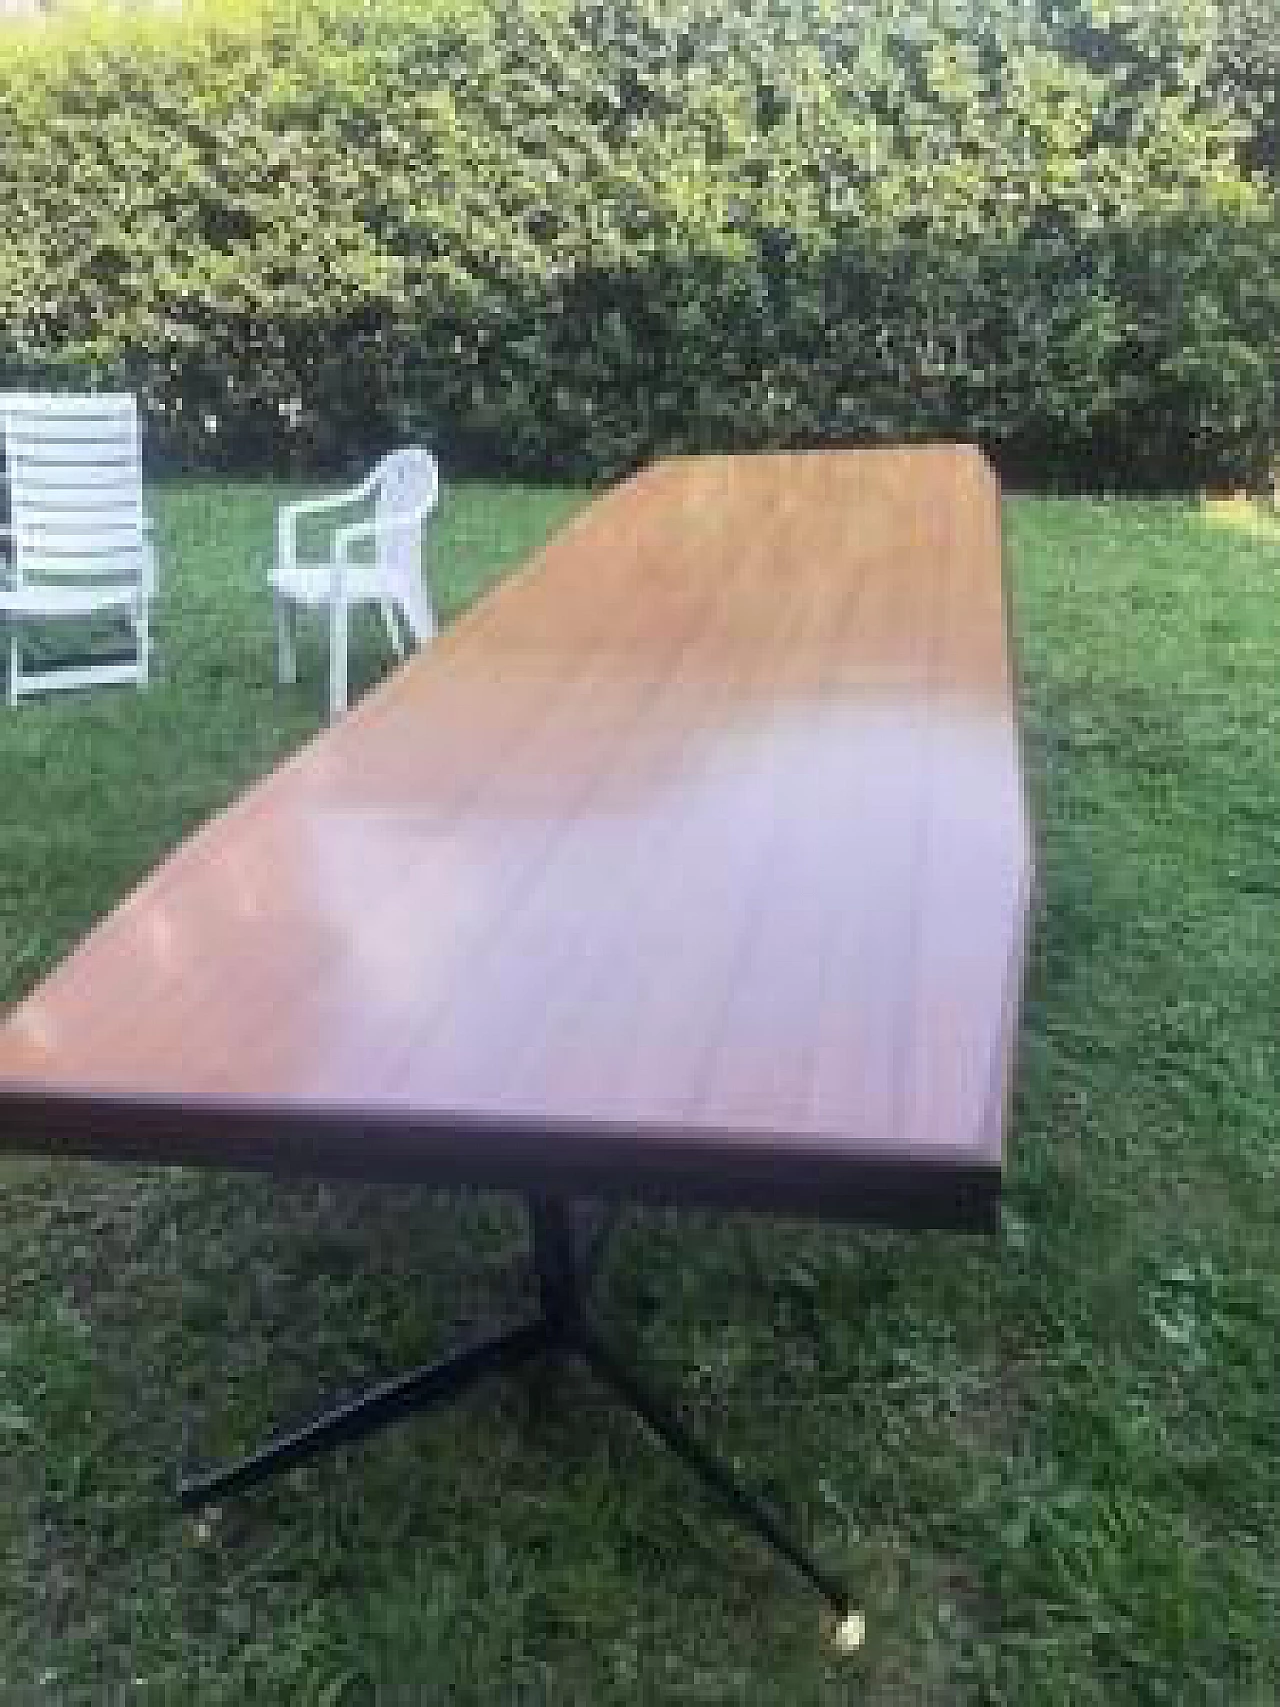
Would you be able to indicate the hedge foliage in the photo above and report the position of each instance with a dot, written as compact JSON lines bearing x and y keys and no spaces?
{"x":566,"y":235}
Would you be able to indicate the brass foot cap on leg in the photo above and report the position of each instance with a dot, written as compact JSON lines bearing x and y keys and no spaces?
{"x":849,"y":1633}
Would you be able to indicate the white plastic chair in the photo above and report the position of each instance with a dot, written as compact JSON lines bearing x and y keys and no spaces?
{"x":80,"y":541}
{"x":404,"y":489}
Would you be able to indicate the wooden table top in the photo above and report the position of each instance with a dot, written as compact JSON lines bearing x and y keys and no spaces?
{"x":693,"y":863}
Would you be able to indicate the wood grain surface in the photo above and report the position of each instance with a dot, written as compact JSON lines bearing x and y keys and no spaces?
{"x":693,"y":864}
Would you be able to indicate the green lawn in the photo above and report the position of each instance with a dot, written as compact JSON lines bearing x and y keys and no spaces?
{"x":1050,"y":1461}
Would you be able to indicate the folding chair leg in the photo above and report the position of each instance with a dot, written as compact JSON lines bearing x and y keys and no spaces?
{"x":337,"y":658}
{"x":142,"y":636}
{"x":286,"y":642}
{"x":15,"y":667}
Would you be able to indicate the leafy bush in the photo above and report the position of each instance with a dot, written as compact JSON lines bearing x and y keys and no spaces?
{"x":564,"y":235}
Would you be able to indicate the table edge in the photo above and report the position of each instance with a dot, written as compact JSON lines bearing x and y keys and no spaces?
{"x":722,"y":1169}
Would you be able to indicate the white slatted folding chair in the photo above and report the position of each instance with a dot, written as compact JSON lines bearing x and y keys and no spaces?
{"x":79,"y":539}
{"x":375,"y":560}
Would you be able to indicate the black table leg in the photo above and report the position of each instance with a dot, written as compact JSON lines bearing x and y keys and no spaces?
{"x":400,"y":1396}
{"x":664,"y":1422}
{"x":567,"y":1249}
{"x":565,"y":1257}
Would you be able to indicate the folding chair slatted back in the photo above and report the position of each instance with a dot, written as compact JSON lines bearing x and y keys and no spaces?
{"x":75,"y":489}
{"x":79,"y":539}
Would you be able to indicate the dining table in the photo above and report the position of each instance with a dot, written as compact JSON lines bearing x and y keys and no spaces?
{"x":691,"y":866}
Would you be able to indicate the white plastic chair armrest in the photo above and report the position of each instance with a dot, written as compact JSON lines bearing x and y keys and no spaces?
{"x":335,"y":500}
{"x":288,"y":515}
{"x":345,"y":537}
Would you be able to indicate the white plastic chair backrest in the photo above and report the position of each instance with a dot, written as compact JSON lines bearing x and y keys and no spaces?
{"x":407,"y":484}
{"x":75,"y":487}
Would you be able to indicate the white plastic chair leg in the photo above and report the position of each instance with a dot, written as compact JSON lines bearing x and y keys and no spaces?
{"x":337,"y":658}
{"x":15,"y":667}
{"x":392,"y":623}
{"x":420,"y":619}
{"x":286,"y":642}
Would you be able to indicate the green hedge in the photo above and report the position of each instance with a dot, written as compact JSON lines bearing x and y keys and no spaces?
{"x":559,"y":237}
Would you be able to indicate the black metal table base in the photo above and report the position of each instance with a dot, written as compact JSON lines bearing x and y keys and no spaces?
{"x":565,"y":1256}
